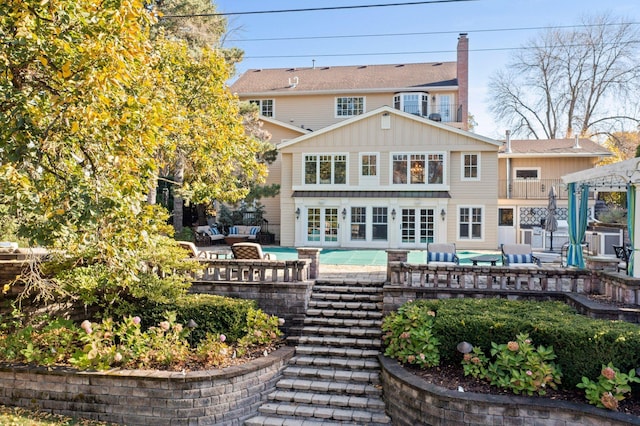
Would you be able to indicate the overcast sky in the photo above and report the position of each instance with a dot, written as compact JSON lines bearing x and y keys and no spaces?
{"x":403,"y":34}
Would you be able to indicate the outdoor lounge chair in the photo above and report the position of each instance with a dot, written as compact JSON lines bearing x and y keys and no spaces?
{"x":248,"y":251}
{"x":519,"y":256}
{"x":192,"y":250}
{"x":442,"y":254}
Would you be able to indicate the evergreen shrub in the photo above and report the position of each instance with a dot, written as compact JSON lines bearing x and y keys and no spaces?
{"x":582,"y":344}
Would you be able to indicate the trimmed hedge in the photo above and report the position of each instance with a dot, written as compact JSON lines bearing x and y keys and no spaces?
{"x":212,"y":314}
{"x":582,"y":344}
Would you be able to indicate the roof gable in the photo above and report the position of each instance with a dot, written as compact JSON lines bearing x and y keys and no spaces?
{"x":389,"y":110}
{"x":347,"y":78}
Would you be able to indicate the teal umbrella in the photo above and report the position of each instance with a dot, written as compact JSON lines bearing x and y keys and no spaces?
{"x":551,"y":223}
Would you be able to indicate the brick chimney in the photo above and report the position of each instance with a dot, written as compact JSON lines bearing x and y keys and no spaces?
{"x":463,"y":78}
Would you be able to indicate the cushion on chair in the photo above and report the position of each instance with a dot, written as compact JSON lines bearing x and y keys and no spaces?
{"x":519,"y":258}
{"x":254,"y":230}
{"x":214,"y":231}
{"x":434,"y":256}
{"x":233,"y":230}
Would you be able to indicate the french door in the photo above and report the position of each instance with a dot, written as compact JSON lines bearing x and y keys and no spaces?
{"x":322,"y":225}
{"x":417,"y":226}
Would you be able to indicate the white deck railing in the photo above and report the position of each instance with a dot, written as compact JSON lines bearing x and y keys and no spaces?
{"x":254,"y":270}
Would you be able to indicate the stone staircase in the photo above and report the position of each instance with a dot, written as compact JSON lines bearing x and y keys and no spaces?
{"x":333,"y":379}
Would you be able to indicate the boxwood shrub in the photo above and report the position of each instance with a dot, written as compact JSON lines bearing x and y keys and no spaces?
{"x":212,"y":314}
{"x":582,"y":344}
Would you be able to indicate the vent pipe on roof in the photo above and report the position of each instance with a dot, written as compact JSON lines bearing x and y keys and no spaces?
{"x":292,"y":85}
{"x":508,"y":142}
{"x":313,"y":64}
{"x":577,"y":144}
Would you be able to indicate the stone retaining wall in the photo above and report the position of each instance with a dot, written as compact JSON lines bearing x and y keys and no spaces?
{"x":144,"y":397}
{"x":418,"y":402}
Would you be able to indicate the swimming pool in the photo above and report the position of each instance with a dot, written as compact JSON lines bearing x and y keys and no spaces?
{"x":330,"y":256}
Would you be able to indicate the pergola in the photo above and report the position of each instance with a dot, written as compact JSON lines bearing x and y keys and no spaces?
{"x":624,"y":174}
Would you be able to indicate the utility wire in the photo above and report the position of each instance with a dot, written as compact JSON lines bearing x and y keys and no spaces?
{"x":483,"y":30}
{"x":314,"y":9}
{"x":496,"y":49}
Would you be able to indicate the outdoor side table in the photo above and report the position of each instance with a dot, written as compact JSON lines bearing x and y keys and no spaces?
{"x":485,"y":258}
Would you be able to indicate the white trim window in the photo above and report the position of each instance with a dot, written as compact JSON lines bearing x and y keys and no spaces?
{"x":380,"y":224}
{"x":412,"y":103}
{"x":470,"y":222}
{"x":425,"y":168}
{"x":358,"y":223}
{"x":349,"y":106}
{"x":368,"y":165}
{"x":470,"y":166}
{"x":265,"y":106}
{"x":526,"y":173}
{"x":325,"y":169}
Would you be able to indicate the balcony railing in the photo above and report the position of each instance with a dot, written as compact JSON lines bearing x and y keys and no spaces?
{"x":446,"y":113}
{"x":532,"y":189}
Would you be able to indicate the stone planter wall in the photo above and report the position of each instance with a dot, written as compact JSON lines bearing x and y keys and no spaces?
{"x":415,"y":401}
{"x":143,"y":397}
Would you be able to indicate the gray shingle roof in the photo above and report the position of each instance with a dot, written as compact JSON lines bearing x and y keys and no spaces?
{"x":347,"y":78}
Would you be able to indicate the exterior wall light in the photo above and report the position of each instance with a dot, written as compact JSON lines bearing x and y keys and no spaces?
{"x":298,"y":213}
{"x":443,"y":214}
{"x":344,"y":213}
{"x":393,"y":214}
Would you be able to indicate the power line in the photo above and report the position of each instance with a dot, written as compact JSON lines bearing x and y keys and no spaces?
{"x":485,"y":30}
{"x":314,"y":9}
{"x":402,"y":53}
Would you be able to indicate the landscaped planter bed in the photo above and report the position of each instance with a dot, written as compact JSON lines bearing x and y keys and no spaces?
{"x":226,"y":396}
{"x":415,"y":401}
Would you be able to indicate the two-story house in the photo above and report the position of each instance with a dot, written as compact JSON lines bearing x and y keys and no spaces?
{"x":297,"y":101}
{"x":389,"y":179}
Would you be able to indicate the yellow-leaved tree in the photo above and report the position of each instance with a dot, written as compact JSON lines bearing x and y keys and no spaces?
{"x":87,"y":105}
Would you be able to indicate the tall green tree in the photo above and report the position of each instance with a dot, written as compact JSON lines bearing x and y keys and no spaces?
{"x":570,"y":82}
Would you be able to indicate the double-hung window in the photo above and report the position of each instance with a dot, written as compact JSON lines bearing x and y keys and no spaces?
{"x":265,"y":106}
{"x":325,"y":169}
{"x":470,"y":223}
{"x":471,"y":166}
{"x":349,"y":106}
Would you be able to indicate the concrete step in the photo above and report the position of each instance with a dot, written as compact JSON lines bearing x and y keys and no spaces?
{"x":332,"y":374}
{"x":335,"y":361}
{"x":283,"y":421}
{"x":343,"y":352}
{"x":338,"y":304}
{"x":349,"y":283}
{"x":323,"y":330}
{"x":344,"y":313}
{"x":346,"y":297}
{"x":312,"y":412}
{"x":325,"y":387}
{"x":346,"y":289}
{"x":327,"y":400}
{"x":338,"y":341}
{"x":343,"y":322}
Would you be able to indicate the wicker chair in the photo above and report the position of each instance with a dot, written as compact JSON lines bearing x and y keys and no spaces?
{"x":249,"y":251}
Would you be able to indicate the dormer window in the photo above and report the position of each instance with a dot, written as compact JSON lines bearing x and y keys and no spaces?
{"x":413,"y":103}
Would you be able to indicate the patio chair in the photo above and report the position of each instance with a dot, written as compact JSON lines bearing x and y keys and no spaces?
{"x":442,"y":254}
{"x":519,"y":256}
{"x":248,"y":251}
{"x":192,"y":250}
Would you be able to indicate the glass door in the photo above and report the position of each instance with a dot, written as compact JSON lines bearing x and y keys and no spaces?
{"x":322,"y":225}
{"x":417,"y":226}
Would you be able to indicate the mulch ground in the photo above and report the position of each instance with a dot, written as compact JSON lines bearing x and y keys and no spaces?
{"x":452,"y":377}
